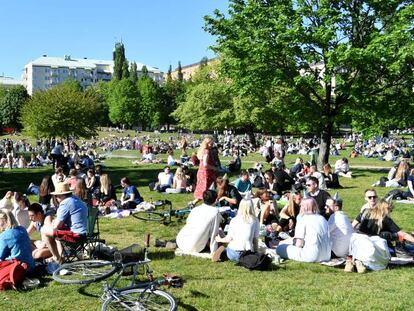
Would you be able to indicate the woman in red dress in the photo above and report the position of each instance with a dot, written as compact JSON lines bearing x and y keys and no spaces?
{"x":206,"y":173}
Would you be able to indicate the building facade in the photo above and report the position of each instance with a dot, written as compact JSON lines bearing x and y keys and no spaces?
{"x":46,"y":72}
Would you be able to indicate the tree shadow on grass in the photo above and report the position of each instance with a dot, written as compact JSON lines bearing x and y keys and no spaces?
{"x":162,"y":255}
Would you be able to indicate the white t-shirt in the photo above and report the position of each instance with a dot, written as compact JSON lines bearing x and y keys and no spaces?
{"x":313,"y":229}
{"x":340,"y":230}
{"x":202,"y":225}
{"x":243,"y":234}
{"x":165,"y":179}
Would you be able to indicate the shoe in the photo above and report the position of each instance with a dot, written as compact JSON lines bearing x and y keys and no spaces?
{"x":159,"y":243}
{"x":217,"y":254}
{"x":171,"y":245}
{"x":29,"y":189}
{"x":349,"y":266}
{"x":190,"y":205}
{"x":360,"y":267}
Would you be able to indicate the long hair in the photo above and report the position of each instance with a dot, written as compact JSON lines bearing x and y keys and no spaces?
{"x":327,"y":169}
{"x":246,"y":211}
{"x":401,"y":170}
{"x":105,"y":182}
{"x":80,"y":189}
{"x":222,"y":186}
{"x":203,"y":147}
{"x":46,"y":186}
{"x":378,"y":212}
{"x":8,"y":217}
{"x":179,"y":174}
{"x":292,"y":206}
{"x":308,"y":206}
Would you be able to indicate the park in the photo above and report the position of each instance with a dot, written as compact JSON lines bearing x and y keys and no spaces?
{"x":333,"y":79}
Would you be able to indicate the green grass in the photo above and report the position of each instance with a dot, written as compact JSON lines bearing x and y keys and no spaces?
{"x":224,"y":286}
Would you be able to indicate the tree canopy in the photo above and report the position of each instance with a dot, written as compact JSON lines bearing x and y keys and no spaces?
{"x":62,"y":111}
{"x":316,"y":63}
{"x":11,"y":102}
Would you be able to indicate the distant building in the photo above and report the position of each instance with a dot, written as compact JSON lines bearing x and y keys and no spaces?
{"x":189,"y":70}
{"x":9,"y":82}
{"x":46,"y":72}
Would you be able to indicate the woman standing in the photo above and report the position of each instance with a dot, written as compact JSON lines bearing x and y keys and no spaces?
{"x":206,"y":173}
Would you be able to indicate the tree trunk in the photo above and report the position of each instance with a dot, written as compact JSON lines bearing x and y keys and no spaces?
{"x":326,"y":137}
{"x":68,"y":141}
{"x":250,"y":133}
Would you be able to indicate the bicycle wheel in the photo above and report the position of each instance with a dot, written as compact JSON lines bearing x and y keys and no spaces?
{"x":140,"y":299}
{"x":149,"y":216}
{"x":85,"y":271}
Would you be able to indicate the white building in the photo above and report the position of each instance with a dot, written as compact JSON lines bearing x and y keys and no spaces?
{"x":46,"y":72}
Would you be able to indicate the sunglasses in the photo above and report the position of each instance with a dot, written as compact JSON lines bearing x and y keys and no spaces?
{"x":372,"y":197}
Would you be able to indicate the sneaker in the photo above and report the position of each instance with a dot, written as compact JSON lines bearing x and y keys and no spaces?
{"x":29,"y":189}
{"x":217,"y":254}
{"x":360,"y":267}
{"x":349,"y":266}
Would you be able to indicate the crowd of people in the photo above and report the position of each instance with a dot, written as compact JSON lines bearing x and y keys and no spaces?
{"x":234,"y":217}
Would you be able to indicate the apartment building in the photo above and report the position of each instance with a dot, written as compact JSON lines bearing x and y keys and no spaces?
{"x":46,"y":72}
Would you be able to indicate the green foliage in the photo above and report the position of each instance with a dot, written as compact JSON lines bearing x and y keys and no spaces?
{"x":208,"y":103}
{"x":62,"y":111}
{"x":119,"y":60}
{"x":172,"y":92}
{"x":134,"y":73}
{"x":11,"y":102}
{"x":100,"y":92}
{"x":124,"y":102}
{"x":180,"y":75}
{"x":125,"y":70}
{"x":150,"y":110}
{"x":326,"y":60}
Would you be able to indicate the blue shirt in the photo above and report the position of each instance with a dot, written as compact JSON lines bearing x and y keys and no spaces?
{"x":128,"y":191}
{"x":74,"y":214}
{"x":243,"y":186}
{"x":15,"y":243}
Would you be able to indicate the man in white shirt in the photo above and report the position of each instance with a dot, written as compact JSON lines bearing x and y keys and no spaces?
{"x":165,"y":180}
{"x":340,"y":228}
{"x":202,"y":226}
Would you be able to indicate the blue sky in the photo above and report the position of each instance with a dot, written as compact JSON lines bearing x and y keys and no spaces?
{"x":155,"y":32}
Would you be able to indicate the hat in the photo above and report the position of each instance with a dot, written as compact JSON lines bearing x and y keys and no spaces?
{"x":61,"y":188}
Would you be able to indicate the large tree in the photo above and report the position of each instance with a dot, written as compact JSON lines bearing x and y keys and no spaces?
{"x":150,"y":114}
{"x":63,"y":111}
{"x":11,"y":102}
{"x":317,"y":62}
{"x":124,"y":102}
{"x":120,"y":62}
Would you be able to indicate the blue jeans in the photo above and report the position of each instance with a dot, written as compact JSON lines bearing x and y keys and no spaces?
{"x":233,"y":255}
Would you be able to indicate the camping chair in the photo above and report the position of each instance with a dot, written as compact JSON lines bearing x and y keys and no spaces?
{"x":86,"y":246}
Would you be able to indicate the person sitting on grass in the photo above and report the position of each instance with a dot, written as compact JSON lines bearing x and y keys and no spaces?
{"x":70,"y":224}
{"x":227,"y":195}
{"x":14,"y":241}
{"x":165,"y":180}
{"x":243,"y":184}
{"x":340,"y":228}
{"x":320,"y":196}
{"x":311,"y":242}
{"x":342,"y":168}
{"x":38,"y":219}
{"x":180,"y":182}
{"x":202,"y":226}
{"x":130,"y":197}
{"x":376,"y":233}
{"x":265,"y":207}
{"x":243,"y":233}
{"x":289,"y":213}
{"x":20,"y":209}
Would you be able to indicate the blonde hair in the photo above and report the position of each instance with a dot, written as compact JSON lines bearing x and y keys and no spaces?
{"x":9,"y":218}
{"x":105,"y":182}
{"x":203,"y":146}
{"x":292,"y":204}
{"x":246,"y":211}
{"x":401,"y":171}
{"x":379,"y":211}
{"x":179,"y":174}
{"x":327,"y":169}
{"x":308,"y":206}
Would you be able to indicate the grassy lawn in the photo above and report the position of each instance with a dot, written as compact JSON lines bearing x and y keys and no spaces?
{"x":224,"y":286}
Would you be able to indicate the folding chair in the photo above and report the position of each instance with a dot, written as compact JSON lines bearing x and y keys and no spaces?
{"x":86,"y":246}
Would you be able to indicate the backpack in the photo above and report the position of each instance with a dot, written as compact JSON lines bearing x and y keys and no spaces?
{"x":255,"y":261}
{"x":395,"y":194}
{"x":12,"y":273}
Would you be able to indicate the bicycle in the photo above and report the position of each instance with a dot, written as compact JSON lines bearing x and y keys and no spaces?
{"x":162,"y":216}
{"x":139,"y":295}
